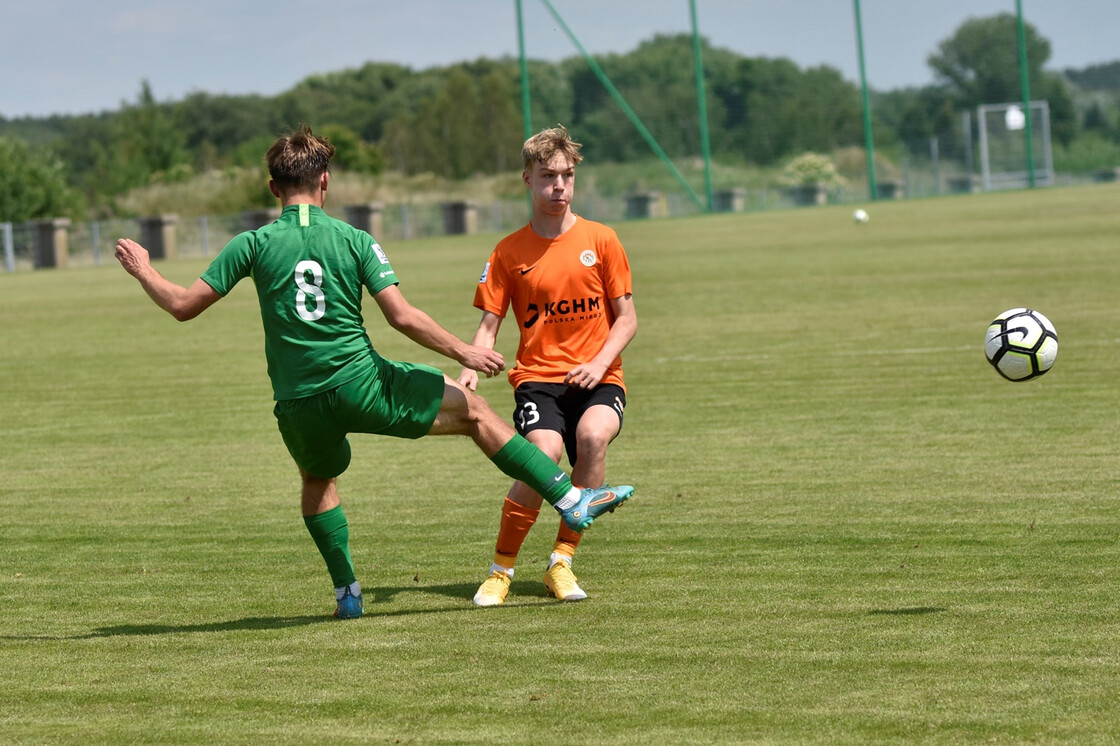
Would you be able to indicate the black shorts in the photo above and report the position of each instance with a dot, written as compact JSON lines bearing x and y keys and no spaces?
{"x":559,"y":407}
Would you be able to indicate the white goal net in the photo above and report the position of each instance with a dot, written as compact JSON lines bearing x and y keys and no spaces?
{"x":1003,"y":145}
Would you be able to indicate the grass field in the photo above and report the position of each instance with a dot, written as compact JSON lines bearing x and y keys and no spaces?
{"x":847,"y":529}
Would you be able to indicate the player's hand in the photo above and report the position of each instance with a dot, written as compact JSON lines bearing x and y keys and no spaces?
{"x":585,"y":376}
{"x":469,"y":379}
{"x":132,"y":256}
{"x":484,"y":360}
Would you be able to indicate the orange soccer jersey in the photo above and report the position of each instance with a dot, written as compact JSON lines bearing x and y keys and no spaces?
{"x":560,"y":291}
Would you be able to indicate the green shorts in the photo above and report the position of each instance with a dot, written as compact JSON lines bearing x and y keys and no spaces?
{"x":393,"y":398}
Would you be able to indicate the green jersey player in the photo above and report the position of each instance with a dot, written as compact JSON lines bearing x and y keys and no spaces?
{"x":327,"y":379}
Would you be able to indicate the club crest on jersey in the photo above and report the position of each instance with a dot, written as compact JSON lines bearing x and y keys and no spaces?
{"x":587,"y":258}
{"x":380,"y":253}
{"x":485,"y":272}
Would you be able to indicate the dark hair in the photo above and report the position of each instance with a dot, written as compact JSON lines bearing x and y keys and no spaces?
{"x":297,"y":160}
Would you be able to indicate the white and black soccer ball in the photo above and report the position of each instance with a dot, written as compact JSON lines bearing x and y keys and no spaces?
{"x":1021,"y":344}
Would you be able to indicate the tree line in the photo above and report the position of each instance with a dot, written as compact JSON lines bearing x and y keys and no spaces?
{"x":465,"y":119}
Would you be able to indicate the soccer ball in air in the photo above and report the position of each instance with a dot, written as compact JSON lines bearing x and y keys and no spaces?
{"x":860,"y":216}
{"x":1021,"y":344}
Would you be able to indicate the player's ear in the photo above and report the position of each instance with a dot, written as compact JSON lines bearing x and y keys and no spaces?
{"x":274,"y":189}
{"x":324,"y":180}
{"x":525,"y":177}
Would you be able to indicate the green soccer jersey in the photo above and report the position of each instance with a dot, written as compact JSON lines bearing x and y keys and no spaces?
{"x":309,"y":270}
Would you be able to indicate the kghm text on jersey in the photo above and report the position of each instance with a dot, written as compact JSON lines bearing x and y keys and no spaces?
{"x":555,"y":312}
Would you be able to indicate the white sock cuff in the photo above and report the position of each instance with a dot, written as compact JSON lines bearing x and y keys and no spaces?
{"x":355,"y":590}
{"x":495,"y":567}
{"x":569,"y":499}
{"x":557,"y":557}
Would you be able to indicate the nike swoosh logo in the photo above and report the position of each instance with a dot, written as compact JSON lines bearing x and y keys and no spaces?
{"x":608,"y":497}
{"x":557,"y":478}
{"x":527,"y":271}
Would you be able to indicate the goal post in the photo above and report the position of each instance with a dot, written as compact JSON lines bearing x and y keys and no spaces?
{"x":1003,"y":145}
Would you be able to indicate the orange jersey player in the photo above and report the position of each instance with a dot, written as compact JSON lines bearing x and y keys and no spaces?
{"x":568,"y":282}
{"x":328,"y":381}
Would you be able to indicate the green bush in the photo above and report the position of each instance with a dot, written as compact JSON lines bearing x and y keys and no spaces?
{"x":1087,"y":153}
{"x":33,"y":184}
{"x":811,"y":169}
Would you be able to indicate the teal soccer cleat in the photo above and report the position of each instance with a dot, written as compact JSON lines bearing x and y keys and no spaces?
{"x":593,"y":503}
{"x":349,"y":606}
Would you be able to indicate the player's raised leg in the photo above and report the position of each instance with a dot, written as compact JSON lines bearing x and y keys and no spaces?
{"x":466,"y":413}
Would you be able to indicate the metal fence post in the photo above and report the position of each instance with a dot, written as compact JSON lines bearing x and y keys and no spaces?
{"x":95,"y":234}
{"x":9,"y":250}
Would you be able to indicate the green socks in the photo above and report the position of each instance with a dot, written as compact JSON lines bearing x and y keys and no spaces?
{"x":518,"y":459}
{"x":332,"y":535}
{"x":523,"y":461}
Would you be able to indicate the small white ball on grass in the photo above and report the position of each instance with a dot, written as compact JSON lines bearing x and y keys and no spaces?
{"x":860,"y":216}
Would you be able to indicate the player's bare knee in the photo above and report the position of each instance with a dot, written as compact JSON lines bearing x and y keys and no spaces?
{"x":479,"y":410}
{"x":593,"y":441}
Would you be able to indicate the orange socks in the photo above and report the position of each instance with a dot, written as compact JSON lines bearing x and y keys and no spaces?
{"x":566,"y":542}
{"x":515,"y":525}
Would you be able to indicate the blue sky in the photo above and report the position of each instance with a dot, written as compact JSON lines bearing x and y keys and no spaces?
{"x":75,"y":56}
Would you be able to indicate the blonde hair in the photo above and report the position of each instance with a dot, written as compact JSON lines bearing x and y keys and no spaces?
{"x":297,"y":160}
{"x":543,"y":146}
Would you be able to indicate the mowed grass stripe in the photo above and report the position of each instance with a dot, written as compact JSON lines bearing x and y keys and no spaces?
{"x":847,"y":529}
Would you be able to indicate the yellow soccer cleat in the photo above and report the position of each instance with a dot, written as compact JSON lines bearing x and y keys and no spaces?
{"x":561,"y":583}
{"x":493,"y":590}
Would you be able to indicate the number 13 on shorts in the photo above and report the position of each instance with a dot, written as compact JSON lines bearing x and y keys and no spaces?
{"x":527,"y":415}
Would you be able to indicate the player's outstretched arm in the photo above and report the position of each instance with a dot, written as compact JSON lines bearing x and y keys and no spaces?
{"x":424,"y":331}
{"x":182,"y":303}
{"x":485,"y":336}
